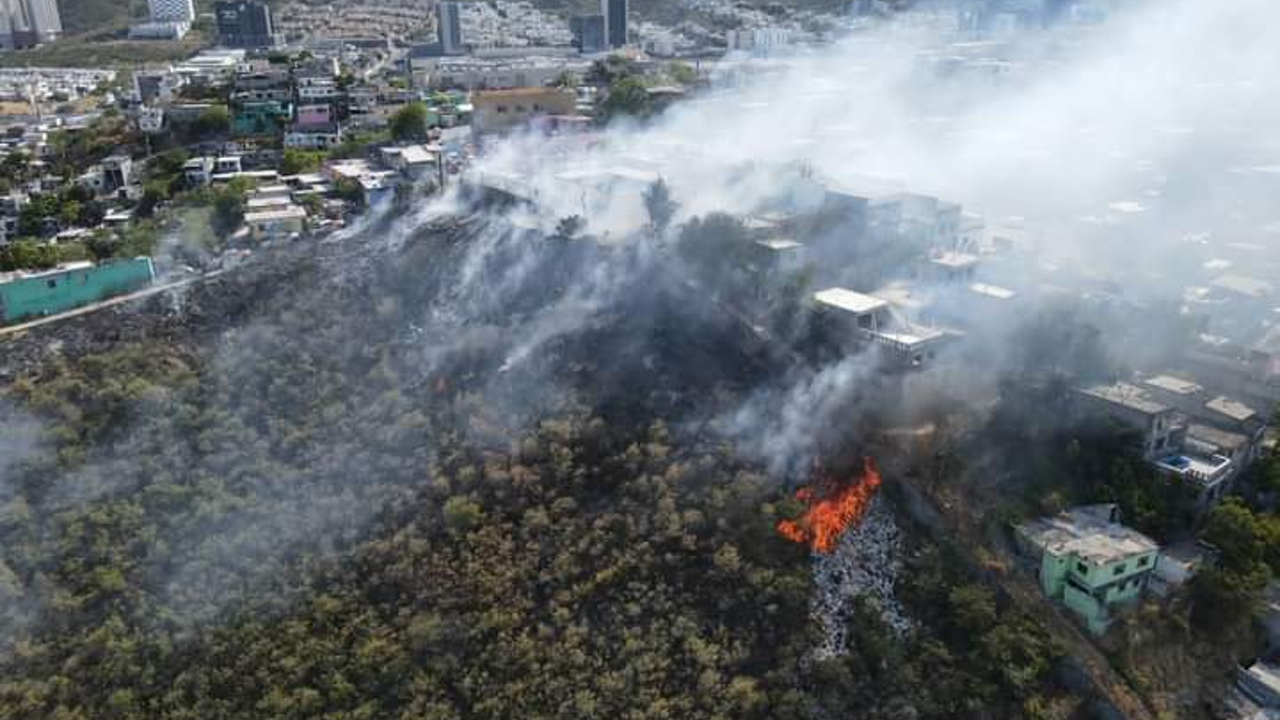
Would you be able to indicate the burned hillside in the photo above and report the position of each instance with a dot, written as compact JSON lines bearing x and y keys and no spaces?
{"x":455,"y":468}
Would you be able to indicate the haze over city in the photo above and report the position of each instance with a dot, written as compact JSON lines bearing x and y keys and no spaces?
{"x":492,"y":359}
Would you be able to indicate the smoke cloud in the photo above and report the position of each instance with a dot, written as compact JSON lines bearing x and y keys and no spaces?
{"x":1108,"y":146}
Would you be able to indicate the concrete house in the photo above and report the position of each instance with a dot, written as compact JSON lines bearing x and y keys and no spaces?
{"x":873,"y":319}
{"x":1164,"y":438}
{"x":1162,"y":427}
{"x":1090,"y":562}
{"x":500,"y":111}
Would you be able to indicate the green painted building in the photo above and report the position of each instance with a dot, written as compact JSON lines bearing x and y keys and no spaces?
{"x":1090,"y":562}
{"x":265,"y":117}
{"x":24,"y":296}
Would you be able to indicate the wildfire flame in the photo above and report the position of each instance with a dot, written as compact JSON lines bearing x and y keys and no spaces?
{"x":833,"y":506}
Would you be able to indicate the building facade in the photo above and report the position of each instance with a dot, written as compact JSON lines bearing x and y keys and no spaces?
{"x":1090,"y":562}
{"x":588,"y":33}
{"x":615,"y":22}
{"x":183,"y":11}
{"x":449,"y":28}
{"x":499,"y":111}
{"x":31,"y":295}
{"x":28,"y":23}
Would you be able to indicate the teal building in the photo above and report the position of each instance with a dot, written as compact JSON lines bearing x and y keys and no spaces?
{"x":24,"y":296}
{"x":266,"y":117}
{"x":1091,"y":563}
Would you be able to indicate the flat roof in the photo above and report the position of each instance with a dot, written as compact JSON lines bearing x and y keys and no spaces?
{"x":1219,"y":440}
{"x":1233,"y":409}
{"x":1266,"y":673}
{"x":849,"y":301}
{"x":290,"y":213}
{"x":261,"y":202}
{"x":955,"y":260}
{"x":1202,"y":467}
{"x":28,"y":274}
{"x":911,"y":337}
{"x":993,"y":291}
{"x":1088,"y":537}
{"x":780,"y":244}
{"x":1126,"y":395}
{"x":1172,"y":384}
{"x":417,"y":154}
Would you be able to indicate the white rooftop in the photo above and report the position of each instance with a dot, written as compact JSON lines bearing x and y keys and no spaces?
{"x":417,"y":154}
{"x":911,"y":337}
{"x":1267,"y":674}
{"x":849,"y":301}
{"x":1087,"y":536}
{"x":993,"y":291}
{"x":1233,"y":409}
{"x":955,"y":260}
{"x":1173,"y":384}
{"x":289,"y":213}
{"x":780,"y":244}
{"x":1130,"y":396}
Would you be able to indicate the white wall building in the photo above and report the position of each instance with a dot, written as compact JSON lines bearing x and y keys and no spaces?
{"x":27,"y":23}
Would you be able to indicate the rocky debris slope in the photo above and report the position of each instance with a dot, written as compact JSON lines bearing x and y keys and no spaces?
{"x":865,"y":565}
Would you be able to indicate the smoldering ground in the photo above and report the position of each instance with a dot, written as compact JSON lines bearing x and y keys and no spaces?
{"x":492,"y":316}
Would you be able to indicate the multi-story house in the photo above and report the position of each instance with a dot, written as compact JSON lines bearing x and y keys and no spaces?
{"x":1090,"y":562}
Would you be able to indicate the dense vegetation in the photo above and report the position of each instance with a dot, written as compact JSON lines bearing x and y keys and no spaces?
{"x":309,"y":514}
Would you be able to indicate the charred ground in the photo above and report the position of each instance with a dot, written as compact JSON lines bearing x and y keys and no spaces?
{"x":340,"y":482}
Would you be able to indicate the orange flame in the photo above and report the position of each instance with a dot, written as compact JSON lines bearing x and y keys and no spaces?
{"x":833,"y":507}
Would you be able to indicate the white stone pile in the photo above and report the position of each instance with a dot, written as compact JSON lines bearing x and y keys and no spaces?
{"x":865,"y":564}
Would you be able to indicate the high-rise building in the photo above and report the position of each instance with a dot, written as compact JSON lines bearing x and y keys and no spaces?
{"x":245,"y":24}
{"x":588,"y":33}
{"x":183,"y":11}
{"x":170,"y":20}
{"x":449,"y":28}
{"x":27,"y":23}
{"x":615,"y":22}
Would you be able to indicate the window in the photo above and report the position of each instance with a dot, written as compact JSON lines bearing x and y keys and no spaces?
{"x":52,"y":283}
{"x":502,"y":108}
{"x":1082,"y":568}
{"x":1119,"y":569}
{"x":520,"y":108}
{"x":1142,"y":561}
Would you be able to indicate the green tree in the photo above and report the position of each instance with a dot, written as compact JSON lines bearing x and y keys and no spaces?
{"x":682,"y":73}
{"x":228,"y":210}
{"x":627,"y":97}
{"x":462,"y":514}
{"x":612,"y":69}
{"x":1249,"y":546}
{"x":28,"y":255}
{"x":212,"y":122}
{"x":154,"y":193}
{"x":409,"y":123}
{"x":170,"y":163}
{"x":296,"y":161}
